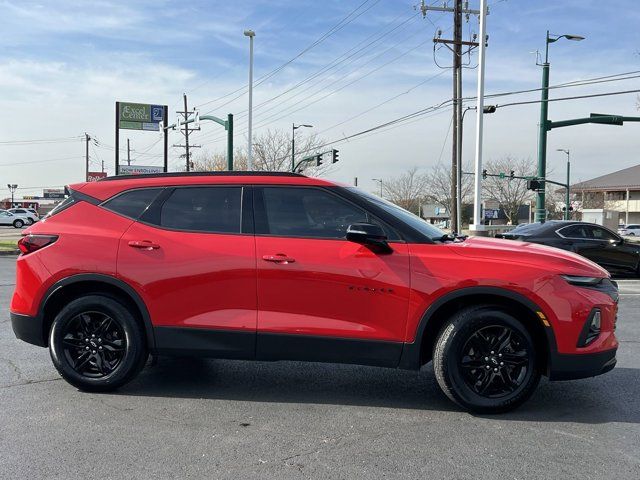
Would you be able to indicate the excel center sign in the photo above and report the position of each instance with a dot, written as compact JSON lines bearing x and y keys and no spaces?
{"x":140,"y":116}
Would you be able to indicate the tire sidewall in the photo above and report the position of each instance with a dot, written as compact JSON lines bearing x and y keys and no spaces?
{"x":462,"y":331}
{"x":134,"y":352}
{"x":18,"y":224}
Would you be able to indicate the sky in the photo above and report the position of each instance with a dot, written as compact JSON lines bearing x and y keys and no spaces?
{"x":342,"y":66}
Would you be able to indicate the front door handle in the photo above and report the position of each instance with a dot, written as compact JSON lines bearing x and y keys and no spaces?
{"x":144,"y":244}
{"x":280,"y":258}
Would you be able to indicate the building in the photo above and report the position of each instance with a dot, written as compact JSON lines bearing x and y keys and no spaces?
{"x":618,"y":191}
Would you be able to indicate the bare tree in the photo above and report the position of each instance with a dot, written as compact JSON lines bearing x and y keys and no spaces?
{"x":406,"y":190}
{"x":438,"y":185}
{"x":272,"y":153}
{"x":509,"y":193}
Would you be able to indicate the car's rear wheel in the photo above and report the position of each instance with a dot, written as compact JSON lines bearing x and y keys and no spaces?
{"x":18,"y":223}
{"x":96,"y":344}
{"x":30,"y":221}
{"x":485,"y":360}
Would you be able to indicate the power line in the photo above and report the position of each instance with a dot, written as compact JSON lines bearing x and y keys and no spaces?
{"x":41,"y":141}
{"x":339,"y":26}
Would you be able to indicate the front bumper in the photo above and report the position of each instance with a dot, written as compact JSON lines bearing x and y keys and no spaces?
{"x":28,"y":329}
{"x":571,"y":367}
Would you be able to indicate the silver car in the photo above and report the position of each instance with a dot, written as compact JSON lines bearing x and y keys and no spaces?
{"x":8,"y":218}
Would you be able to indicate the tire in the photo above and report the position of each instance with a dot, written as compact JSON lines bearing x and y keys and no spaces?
{"x":30,"y":221}
{"x":110,"y":358}
{"x":18,"y":223}
{"x":469,"y":338}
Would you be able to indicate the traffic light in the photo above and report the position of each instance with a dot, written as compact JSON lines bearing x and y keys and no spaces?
{"x":318,"y":160}
{"x":512,"y":174}
{"x":534,"y":184}
{"x":334,"y":155}
{"x":484,"y":173}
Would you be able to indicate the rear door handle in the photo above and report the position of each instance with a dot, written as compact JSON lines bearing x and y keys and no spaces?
{"x":144,"y":244}
{"x":278,"y":258}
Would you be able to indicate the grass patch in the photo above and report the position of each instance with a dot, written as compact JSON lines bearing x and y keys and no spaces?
{"x":8,"y":244}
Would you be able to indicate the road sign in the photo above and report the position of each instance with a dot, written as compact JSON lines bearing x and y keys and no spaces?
{"x":95,"y":176}
{"x":139,"y":169}
{"x":53,"y":193}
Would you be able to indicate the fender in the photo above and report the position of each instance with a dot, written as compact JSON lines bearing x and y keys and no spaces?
{"x":108,"y":279}
{"x":411,"y":352}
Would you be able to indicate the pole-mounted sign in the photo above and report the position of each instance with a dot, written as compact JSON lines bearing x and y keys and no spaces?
{"x":140,"y":116}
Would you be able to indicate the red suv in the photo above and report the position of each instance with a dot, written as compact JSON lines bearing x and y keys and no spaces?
{"x":284,"y":267}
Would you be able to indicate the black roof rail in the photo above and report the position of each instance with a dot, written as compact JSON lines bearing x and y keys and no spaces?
{"x":202,"y":174}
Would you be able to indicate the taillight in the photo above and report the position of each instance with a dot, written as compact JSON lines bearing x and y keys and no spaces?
{"x":31,"y":243}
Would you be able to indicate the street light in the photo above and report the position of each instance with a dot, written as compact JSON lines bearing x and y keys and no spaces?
{"x":380,"y":181}
{"x":568,"y":191}
{"x":541,"y":212}
{"x":250,"y":34}
{"x":485,"y":109}
{"x":12,"y":188}
{"x":294,"y":127}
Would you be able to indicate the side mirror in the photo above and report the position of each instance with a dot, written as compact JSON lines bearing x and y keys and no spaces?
{"x":368,"y":234}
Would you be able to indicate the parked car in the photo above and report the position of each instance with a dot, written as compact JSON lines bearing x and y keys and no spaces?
{"x":595,"y":242}
{"x":284,"y":267}
{"x":29,"y":215}
{"x":631,"y":230}
{"x":8,"y":218}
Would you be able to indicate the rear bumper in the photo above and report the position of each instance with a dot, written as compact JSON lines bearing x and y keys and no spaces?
{"x":28,"y":329}
{"x":571,"y":367}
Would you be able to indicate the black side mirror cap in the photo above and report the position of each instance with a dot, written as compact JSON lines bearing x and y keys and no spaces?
{"x":370,"y":235}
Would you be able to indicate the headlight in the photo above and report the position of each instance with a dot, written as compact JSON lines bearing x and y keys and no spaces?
{"x":582,"y":281}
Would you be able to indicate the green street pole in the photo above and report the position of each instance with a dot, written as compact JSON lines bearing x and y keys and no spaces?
{"x":230,"y":142}
{"x":541,"y":211}
{"x":293,"y":147}
{"x":568,"y":192}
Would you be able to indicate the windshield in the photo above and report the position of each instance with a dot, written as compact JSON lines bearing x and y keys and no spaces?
{"x":407,"y":217}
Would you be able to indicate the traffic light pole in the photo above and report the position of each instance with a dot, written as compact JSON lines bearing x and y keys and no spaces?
{"x":541,"y":210}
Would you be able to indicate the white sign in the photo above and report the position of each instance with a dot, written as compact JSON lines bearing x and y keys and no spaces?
{"x":139,"y":169}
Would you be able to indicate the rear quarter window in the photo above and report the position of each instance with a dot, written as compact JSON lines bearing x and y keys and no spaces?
{"x":132,"y":203}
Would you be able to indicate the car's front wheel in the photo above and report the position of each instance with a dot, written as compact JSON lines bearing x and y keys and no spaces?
{"x":485,"y":360}
{"x":18,"y":223}
{"x":96,"y":344}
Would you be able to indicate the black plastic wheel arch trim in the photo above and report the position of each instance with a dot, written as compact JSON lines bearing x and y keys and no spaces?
{"x":99,"y":278}
{"x":411,"y":353}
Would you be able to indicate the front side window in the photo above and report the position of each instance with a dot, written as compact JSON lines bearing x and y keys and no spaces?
{"x":132,"y":203}
{"x":602,"y":234}
{"x":308,"y":212}
{"x":203,"y":209}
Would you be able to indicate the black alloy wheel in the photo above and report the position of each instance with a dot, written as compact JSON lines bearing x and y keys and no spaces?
{"x":97,"y":344}
{"x":485,"y":360}
{"x":94,"y":344}
{"x":494,"y":361}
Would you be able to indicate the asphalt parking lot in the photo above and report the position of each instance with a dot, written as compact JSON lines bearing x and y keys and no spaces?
{"x":192,"y":418}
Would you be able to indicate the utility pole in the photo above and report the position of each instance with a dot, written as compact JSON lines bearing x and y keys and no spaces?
{"x":128,"y":153}
{"x":186,"y":130}
{"x":455,"y":45}
{"x":87,"y":138}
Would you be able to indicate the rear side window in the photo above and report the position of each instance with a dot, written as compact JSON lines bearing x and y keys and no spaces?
{"x":132,"y":203}
{"x":66,"y":203}
{"x":203,"y":209}
{"x":574,"y":231}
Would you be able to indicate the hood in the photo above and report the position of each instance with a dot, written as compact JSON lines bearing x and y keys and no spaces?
{"x":550,"y":258}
